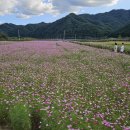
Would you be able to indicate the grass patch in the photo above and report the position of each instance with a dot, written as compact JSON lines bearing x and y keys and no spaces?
{"x":19,"y":117}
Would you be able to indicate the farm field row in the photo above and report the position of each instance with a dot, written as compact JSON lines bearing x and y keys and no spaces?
{"x":107,"y":45}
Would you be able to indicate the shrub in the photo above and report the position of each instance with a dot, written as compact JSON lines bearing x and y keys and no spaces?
{"x":19,"y":117}
{"x":3,"y":110}
{"x":3,"y":37}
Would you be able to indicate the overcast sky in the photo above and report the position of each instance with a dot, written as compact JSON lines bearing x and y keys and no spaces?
{"x":35,"y":11}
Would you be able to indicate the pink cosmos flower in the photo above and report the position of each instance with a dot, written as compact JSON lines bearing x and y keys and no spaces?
{"x":106,"y":123}
{"x":126,"y":128}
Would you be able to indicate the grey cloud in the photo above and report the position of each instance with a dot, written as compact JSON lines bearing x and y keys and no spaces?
{"x":28,"y":8}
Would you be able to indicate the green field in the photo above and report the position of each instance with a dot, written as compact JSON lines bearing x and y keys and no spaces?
{"x":107,"y":45}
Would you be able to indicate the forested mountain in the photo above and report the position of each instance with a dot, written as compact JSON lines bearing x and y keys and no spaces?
{"x":123,"y":32}
{"x":3,"y":37}
{"x":25,"y":31}
{"x":82,"y":26}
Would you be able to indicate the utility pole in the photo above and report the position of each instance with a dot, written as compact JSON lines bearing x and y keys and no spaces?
{"x":75,"y":37}
{"x":18,"y":35}
{"x":64,"y":35}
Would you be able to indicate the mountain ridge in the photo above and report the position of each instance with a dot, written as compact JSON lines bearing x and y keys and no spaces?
{"x":82,"y":25}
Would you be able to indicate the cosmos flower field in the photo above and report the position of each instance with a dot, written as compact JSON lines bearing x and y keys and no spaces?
{"x":56,"y":85}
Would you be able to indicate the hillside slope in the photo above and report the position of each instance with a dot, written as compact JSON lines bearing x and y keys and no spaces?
{"x":124,"y":32}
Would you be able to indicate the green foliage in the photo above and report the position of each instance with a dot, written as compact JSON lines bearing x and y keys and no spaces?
{"x":35,"y":119}
{"x":19,"y":117}
{"x":119,"y":37}
{"x":3,"y":37}
{"x":123,"y":32}
{"x":3,"y":114}
{"x":3,"y":110}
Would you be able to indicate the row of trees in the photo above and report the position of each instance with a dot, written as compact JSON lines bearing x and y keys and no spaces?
{"x":3,"y":37}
